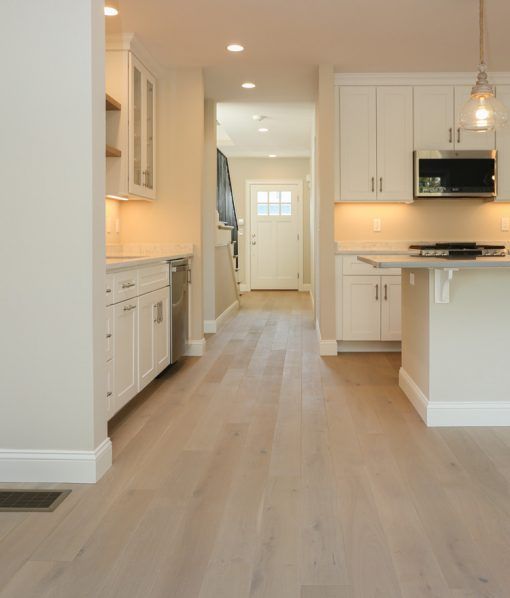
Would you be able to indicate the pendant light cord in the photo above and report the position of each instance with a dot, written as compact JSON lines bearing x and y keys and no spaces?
{"x":482,"y":32}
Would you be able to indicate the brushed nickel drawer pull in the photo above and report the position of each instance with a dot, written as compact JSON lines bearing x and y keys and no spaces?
{"x":109,"y":394}
{"x":108,"y":290}
{"x":458,"y":135}
{"x":451,"y":135}
{"x":109,"y":335}
{"x":128,"y":285}
{"x":129,"y":307}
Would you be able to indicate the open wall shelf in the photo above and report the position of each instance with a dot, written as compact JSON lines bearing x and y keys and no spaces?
{"x":113,"y":152}
{"x":112,"y":104}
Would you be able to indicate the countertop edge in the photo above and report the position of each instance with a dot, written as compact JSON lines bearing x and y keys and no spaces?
{"x":136,"y":262}
{"x":433,"y":263}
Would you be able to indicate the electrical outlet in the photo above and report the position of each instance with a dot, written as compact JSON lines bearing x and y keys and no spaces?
{"x":376,"y":225}
{"x":505,"y":224}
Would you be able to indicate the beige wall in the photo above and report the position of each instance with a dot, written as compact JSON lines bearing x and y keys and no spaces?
{"x":112,"y":217}
{"x":225,"y":288}
{"x":244,"y":169}
{"x":424,"y":220}
{"x":176,"y":216}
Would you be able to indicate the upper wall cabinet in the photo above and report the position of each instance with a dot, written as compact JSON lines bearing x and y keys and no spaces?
{"x":375,"y":143}
{"x":437,"y":111}
{"x":133,"y":129}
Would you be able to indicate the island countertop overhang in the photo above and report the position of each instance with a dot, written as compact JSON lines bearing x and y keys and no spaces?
{"x":415,"y":262}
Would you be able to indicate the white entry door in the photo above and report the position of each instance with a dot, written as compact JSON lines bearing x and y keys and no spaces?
{"x":274,"y":240}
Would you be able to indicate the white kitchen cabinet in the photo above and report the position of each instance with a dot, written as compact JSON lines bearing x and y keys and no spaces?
{"x":109,"y":333}
{"x":394,"y":143}
{"x":132,"y":128}
{"x":154,"y":335}
{"x":125,"y":343}
{"x":358,"y":143}
{"x":391,"y":308}
{"x":142,"y":112}
{"x":503,"y":148}
{"x":110,"y":390}
{"x":434,"y":117}
{"x":376,"y":143}
{"x":469,"y":140}
{"x":361,"y":308}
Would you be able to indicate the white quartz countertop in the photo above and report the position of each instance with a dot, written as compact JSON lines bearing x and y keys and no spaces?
{"x":414,"y":261}
{"x":119,"y":263}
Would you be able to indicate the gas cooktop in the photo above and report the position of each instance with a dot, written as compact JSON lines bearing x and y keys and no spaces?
{"x":457,"y":250}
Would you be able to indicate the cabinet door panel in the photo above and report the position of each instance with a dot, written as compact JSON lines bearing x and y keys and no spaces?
{"x":125,"y":342}
{"x":136,"y":130}
{"x":162,"y":340}
{"x":147,"y":321}
{"x":109,"y":333}
{"x":467,"y":140}
{"x":361,"y":308}
{"x":110,"y":392}
{"x":503,"y":147}
{"x":433,"y":118}
{"x":395,"y":143}
{"x":357,"y":143}
{"x":391,"y":308}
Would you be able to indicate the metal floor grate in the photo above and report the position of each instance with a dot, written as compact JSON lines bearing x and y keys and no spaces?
{"x":31,"y":500}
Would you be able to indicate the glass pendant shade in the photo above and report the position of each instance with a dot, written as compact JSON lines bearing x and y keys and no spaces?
{"x":483,"y":113}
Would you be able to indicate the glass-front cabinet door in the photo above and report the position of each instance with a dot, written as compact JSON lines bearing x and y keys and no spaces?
{"x":142,"y":128}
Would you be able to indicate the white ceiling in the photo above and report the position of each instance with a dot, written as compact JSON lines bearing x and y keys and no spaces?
{"x":289,"y":135}
{"x":285,"y":39}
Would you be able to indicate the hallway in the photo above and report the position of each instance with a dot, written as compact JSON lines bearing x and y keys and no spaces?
{"x":263,"y":470}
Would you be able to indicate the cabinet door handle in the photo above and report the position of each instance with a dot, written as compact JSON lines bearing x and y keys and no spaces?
{"x":377,"y":292}
{"x":109,"y":335}
{"x":109,"y":394}
{"x":386,"y":292}
{"x":373,"y":184}
{"x":128,"y":285}
{"x":129,"y":307}
{"x":156,"y":308}
{"x":451,"y":135}
{"x":160,"y":312}
{"x":189,"y":275}
{"x":380,"y":185}
{"x":108,"y":290}
{"x":458,"y":135}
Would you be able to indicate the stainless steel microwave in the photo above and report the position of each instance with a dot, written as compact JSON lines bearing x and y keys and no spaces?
{"x":465,"y":173}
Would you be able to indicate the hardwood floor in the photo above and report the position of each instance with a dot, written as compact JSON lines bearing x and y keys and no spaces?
{"x":264,"y":470}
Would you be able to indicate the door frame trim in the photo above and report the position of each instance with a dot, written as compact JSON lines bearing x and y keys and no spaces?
{"x":247,"y":227}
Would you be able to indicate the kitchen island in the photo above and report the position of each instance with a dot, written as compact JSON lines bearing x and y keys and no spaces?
{"x":455,"y":337}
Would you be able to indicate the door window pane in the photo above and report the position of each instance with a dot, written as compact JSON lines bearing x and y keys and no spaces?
{"x":274,"y":209}
{"x":261,"y":196}
{"x":274,"y":197}
{"x":286,"y":197}
{"x":286,"y":209}
{"x":262,"y":209}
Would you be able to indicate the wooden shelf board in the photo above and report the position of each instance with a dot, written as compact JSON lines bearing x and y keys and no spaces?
{"x":111,"y":103}
{"x":113,"y":152}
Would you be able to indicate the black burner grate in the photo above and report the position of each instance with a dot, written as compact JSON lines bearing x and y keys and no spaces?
{"x":31,"y":500}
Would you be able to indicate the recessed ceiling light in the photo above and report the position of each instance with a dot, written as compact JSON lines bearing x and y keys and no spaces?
{"x":235,"y":48}
{"x":272,"y":156}
{"x":248,"y":85}
{"x":111,"y":8}
{"x":263,"y":130}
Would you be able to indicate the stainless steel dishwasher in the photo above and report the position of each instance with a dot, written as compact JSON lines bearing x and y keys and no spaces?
{"x":179,"y":279}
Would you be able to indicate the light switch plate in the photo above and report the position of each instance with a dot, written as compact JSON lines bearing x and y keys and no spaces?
{"x":376,"y":225}
{"x":505,"y":224}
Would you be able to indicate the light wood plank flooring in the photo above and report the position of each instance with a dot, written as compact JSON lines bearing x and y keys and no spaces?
{"x":263,"y":470}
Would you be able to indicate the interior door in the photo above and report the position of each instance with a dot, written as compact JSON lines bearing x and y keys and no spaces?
{"x":469,"y":140}
{"x":274,"y":237}
{"x":358,"y":143}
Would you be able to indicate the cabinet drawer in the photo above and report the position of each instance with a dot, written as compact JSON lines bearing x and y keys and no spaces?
{"x":125,"y":285}
{"x":353,"y":267}
{"x":153,"y":278}
{"x":109,"y":333}
{"x":109,"y":289}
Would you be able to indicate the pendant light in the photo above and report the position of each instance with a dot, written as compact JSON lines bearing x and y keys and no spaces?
{"x":483,"y":112}
{"x":111,"y":8}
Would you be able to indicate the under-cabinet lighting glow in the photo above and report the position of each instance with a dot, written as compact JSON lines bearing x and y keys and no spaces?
{"x":118,"y":197}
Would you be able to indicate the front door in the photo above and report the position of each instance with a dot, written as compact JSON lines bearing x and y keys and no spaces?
{"x":274,"y":237}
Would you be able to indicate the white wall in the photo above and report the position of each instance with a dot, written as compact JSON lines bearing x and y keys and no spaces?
{"x":244,"y":169}
{"x":52,"y":354}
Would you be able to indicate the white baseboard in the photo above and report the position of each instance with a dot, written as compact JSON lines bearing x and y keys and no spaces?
{"x":223,"y":316}
{"x":71,"y":467}
{"x":210,"y":326}
{"x":326,"y":347}
{"x":244,"y":288}
{"x":454,"y":413}
{"x":306,"y":287}
{"x":195,"y":348}
{"x":369,"y":346}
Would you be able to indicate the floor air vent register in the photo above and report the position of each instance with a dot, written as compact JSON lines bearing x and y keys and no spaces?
{"x":31,"y":500}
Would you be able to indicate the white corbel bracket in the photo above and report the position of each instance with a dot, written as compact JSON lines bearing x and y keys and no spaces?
{"x":442,"y":279}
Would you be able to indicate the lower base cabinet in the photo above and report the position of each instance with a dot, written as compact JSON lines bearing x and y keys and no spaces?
{"x":137,"y":333}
